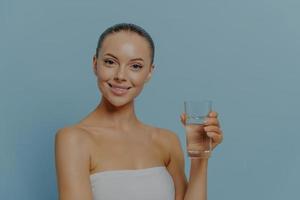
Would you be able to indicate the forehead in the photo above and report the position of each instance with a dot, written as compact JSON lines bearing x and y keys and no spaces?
{"x":125,"y":43}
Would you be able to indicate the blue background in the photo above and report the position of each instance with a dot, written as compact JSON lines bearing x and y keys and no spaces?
{"x":244,"y":55}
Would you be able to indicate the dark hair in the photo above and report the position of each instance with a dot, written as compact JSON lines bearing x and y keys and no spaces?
{"x":126,"y":27}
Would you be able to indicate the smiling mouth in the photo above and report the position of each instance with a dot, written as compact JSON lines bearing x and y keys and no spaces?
{"x":119,"y":87}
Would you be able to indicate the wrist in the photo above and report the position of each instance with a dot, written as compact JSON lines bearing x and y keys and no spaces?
{"x":199,"y":166}
{"x":198,"y":154}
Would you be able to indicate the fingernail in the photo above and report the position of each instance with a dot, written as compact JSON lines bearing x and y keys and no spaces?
{"x":210,"y":134}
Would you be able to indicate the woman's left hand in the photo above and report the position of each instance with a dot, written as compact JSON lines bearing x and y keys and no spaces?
{"x":211,"y":127}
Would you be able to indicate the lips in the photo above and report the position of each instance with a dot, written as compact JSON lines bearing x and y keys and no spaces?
{"x":119,"y":86}
{"x":119,"y":89}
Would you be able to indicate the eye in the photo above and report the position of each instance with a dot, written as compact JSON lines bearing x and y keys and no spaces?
{"x":109,"y":62}
{"x":136,"y":67}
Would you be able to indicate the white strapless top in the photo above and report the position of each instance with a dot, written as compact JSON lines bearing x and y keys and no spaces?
{"x":154,"y":183}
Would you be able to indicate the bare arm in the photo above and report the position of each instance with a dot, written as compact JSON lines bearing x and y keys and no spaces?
{"x":197,"y":185}
{"x":72,"y":164}
{"x":176,"y":166}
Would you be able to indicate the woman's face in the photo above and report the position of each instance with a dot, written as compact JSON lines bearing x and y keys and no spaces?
{"x":123,"y":66}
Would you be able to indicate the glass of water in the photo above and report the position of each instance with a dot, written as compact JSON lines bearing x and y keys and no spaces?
{"x":199,"y":145}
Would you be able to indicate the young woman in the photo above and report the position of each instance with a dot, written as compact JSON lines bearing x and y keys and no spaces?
{"x":110,"y":154}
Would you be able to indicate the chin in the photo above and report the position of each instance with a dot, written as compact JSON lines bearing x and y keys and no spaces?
{"x":118,"y":102}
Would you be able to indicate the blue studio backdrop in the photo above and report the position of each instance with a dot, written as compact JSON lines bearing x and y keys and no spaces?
{"x":244,"y":55}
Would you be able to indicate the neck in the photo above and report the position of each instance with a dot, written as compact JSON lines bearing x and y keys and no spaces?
{"x":123,"y":117}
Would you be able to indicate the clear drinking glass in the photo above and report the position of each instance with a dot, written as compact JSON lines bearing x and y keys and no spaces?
{"x":196,"y":112}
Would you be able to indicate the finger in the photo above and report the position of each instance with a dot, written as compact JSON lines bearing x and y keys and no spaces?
{"x":212,"y":121}
{"x":213,"y":114}
{"x":217,"y":138}
{"x":212,"y":129}
{"x":183,"y":118}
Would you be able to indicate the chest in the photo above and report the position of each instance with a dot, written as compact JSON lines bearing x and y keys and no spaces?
{"x":112,"y":151}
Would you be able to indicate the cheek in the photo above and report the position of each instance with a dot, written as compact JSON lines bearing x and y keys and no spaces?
{"x":137,"y":82}
{"x":104,"y":74}
{"x":138,"y":79}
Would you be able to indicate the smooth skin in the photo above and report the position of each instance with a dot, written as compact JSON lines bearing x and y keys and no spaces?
{"x":111,"y":137}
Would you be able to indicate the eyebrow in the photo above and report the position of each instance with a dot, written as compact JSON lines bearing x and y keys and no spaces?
{"x":109,"y":54}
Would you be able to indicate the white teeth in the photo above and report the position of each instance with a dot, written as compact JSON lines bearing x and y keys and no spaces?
{"x":118,"y":87}
{"x":121,"y":89}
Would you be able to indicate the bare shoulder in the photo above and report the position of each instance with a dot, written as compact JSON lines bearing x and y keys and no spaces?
{"x":169,"y":137}
{"x":170,"y":140}
{"x":72,"y":134}
{"x":72,"y":158}
{"x":71,"y":141}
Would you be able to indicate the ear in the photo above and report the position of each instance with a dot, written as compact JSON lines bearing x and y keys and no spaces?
{"x":95,"y":64}
{"x":150,"y":73}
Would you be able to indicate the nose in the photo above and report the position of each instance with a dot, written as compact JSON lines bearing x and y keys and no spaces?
{"x":120,"y":74}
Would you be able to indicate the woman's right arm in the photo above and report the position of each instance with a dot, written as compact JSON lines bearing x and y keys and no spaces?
{"x":72,"y":159}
